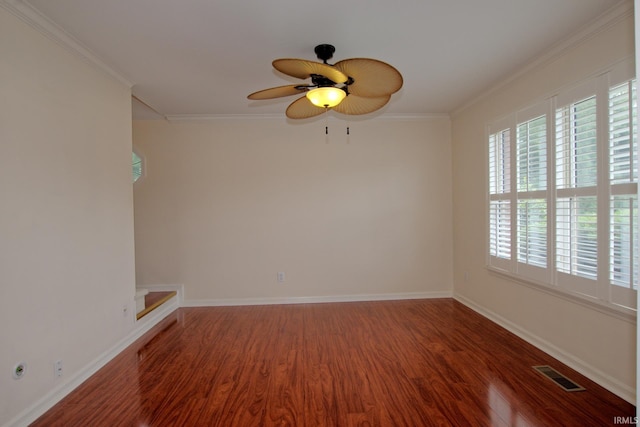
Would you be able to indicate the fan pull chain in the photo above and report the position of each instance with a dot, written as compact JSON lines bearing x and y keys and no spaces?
{"x":348,"y":133}
{"x":326,"y":124}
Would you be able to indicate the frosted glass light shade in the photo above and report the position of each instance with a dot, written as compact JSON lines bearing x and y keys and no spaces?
{"x":326,"y":97}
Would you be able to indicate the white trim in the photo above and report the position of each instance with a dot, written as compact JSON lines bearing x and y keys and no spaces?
{"x":617,"y":311}
{"x":314,"y":299}
{"x":281,"y":116}
{"x":623,"y":391}
{"x":215,"y":117}
{"x":31,"y":413}
{"x":619,"y":68}
{"x":54,"y":32}
{"x":605,"y":21}
{"x":582,"y":90}
{"x":404,"y":117}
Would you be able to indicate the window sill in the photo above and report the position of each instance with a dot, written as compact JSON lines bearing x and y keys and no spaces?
{"x":617,"y":311}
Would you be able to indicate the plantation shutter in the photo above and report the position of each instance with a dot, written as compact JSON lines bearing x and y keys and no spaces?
{"x":532,"y":186}
{"x":623,"y":203}
{"x":563,"y":192}
{"x":576,"y":203}
{"x":500,"y":239}
{"x":499,"y":199}
{"x":623,"y":144}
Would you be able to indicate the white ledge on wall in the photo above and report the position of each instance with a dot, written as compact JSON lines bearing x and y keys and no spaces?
{"x":179,"y":289}
{"x":620,"y":312}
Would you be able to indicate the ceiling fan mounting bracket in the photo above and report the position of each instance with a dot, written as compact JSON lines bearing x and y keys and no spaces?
{"x":324,"y":52}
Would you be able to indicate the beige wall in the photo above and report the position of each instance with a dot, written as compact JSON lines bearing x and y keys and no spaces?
{"x":66,"y":222}
{"x":226,"y":204}
{"x":600,"y":344}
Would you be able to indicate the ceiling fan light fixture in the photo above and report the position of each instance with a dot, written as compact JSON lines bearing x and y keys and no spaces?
{"x":326,"y":97}
{"x":353,"y":86}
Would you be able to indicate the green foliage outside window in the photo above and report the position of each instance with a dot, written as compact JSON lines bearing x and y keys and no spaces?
{"x":137,"y":166}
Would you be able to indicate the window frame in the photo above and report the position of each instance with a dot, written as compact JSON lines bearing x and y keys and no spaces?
{"x":528,"y":270}
{"x":574,"y":192}
{"x":498,"y":262}
{"x":600,"y":292}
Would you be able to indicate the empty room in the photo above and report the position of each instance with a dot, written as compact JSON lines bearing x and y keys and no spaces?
{"x":318,"y":214}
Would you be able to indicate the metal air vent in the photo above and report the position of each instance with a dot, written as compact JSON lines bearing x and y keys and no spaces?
{"x":558,"y":378}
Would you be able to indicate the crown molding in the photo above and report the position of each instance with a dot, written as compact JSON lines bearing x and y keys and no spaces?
{"x":408,"y":117}
{"x":41,"y":23}
{"x":602,"y":23}
{"x":54,"y":32}
{"x":221,"y":117}
{"x":225,"y":117}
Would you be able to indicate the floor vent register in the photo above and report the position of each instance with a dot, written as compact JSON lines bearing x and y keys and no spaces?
{"x":558,"y":378}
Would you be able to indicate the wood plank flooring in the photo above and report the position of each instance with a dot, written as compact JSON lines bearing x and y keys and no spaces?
{"x":391,"y":363}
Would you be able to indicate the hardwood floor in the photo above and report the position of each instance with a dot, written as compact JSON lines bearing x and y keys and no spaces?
{"x":391,"y":363}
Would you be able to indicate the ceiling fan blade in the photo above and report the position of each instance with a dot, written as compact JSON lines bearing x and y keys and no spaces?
{"x":278,"y":92}
{"x":302,"y":108}
{"x":355,"y":105}
{"x":303,"y":69}
{"x":371,"y":78}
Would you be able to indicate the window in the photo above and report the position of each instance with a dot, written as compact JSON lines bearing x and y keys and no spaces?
{"x":576,"y":194}
{"x":499,"y":194}
{"x":136,"y":161}
{"x":531,"y":212}
{"x":568,"y":216}
{"x":623,"y":198}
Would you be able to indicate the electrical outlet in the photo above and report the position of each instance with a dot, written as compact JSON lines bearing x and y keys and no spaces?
{"x":280,"y":276}
{"x":19,"y":370}
{"x":57,"y":368}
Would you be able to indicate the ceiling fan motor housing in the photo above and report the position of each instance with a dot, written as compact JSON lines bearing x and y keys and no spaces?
{"x":320,"y":80}
{"x":324,"y":52}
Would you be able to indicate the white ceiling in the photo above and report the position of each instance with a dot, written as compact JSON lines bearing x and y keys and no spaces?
{"x":203,"y":57}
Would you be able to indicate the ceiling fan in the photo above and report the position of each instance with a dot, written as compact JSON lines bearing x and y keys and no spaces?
{"x":351,"y":86}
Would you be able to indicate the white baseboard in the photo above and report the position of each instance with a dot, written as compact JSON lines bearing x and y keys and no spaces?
{"x":616,"y":387}
{"x":314,"y":299}
{"x":141,"y":327}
